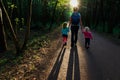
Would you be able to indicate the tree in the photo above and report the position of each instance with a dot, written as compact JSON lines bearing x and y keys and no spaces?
{"x":28,"y":25}
{"x":103,"y":14}
{"x":3,"y":44}
{"x":53,"y":14}
{"x":14,"y":37}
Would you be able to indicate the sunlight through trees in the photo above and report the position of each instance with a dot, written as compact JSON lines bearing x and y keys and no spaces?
{"x":74,"y":3}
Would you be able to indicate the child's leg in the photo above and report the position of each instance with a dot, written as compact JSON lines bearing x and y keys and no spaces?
{"x":85,"y":42}
{"x":63,"y":38}
{"x":66,"y":39}
{"x":88,"y":42}
{"x":66,"y":36}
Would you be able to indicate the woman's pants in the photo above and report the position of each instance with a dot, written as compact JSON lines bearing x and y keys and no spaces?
{"x":74,"y":35}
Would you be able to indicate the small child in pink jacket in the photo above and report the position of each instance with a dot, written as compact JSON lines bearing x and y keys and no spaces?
{"x":87,"y":36}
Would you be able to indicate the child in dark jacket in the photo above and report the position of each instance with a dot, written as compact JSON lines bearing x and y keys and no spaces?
{"x":87,"y":36}
{"x":65,"y":30}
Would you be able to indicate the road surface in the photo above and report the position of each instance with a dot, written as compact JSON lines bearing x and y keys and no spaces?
{"x":100,"y":62}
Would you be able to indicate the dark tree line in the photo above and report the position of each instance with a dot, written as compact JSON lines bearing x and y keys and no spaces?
{"x":102,"y":15}
{"x":9,"y":16}
{"x":17,"y":15}
{"x":49,"y":12}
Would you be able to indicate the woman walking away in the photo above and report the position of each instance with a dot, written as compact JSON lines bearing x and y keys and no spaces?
{"x":75,"y":23}
{"x":65,"y":30}
{"x":87,"y":36}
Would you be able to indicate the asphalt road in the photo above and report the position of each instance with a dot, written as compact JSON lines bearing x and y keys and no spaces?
{"x":100,"y":62}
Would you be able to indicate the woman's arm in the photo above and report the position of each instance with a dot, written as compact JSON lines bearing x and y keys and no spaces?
{"x":81,"y":24}
{"x":69,"y":23}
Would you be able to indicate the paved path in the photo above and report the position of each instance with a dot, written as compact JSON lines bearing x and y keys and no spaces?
{"x":100,"y":62}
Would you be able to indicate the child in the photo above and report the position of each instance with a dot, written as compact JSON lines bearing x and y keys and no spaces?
{"x":88,"y":36}
{"x":65,"y":31}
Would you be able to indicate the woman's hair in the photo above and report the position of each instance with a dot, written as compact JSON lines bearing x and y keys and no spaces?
{"x":75,"y":9}
{"x":87,"y":28}
{"x":64,"y":25}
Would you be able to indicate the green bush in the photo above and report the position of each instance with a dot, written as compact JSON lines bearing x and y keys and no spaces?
{"x":116,"y":32}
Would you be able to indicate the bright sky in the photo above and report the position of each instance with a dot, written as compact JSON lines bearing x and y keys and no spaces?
{"x":74,"y":3}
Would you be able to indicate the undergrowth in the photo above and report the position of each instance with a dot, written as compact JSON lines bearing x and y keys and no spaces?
{"x":27,"y":65}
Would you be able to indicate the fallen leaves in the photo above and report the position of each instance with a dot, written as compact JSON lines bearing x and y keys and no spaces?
{"x":34,"y":61}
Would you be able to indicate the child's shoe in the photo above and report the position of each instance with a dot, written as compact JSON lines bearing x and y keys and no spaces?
{"x":88,"y":47}
{"x":72,"y":45}
{"x":65,"y":43}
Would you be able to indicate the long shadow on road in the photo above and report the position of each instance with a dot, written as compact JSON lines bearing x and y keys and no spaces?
{"x":73,"y":72}
{"x":56,"y":68}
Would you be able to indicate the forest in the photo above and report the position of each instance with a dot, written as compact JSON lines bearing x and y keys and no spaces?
{"x":25,"y":23}
{"x":23,"y":16}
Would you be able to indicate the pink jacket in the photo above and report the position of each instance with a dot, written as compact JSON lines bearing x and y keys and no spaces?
{"x":87,"y":34}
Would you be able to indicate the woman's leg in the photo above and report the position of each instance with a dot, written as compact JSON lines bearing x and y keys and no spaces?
{"x":76,"y":35}
{"x":72,"y":36}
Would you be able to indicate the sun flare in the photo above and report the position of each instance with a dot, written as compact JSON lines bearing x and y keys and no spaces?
{"x":74,"y":3}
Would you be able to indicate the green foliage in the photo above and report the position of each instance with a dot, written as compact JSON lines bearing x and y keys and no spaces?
{"x":3,"y":61}
{"x":11,"y":6}
{"x":23,"y":21}
{"x":37,"y":25}
{"x":116,"y":31}
{"x":38,"y":42}
{"x":99,"y":28}
{"x":100,"y":13}
{"x":17,"y":21}
{"x":42,"y":15}
{"x":8,"y":58}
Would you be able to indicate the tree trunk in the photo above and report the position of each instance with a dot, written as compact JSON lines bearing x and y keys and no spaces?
{"x":20,"y":12}
{"x":53,"y":14}
{"x":3,"y":44}
{"x":28,"y":25}
{"x":14,"y":37}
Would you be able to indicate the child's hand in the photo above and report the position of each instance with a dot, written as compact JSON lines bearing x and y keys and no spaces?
{"x":82,"y":30}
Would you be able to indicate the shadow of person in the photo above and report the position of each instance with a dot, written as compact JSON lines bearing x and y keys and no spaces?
{"x":55,"y":70}
{"x":73,"y":71}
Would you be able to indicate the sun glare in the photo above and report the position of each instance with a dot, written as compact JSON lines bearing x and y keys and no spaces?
{"x":74,"y":3}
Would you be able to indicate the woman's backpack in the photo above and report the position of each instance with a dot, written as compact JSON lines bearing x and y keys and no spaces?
{"x":75,"y":18}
